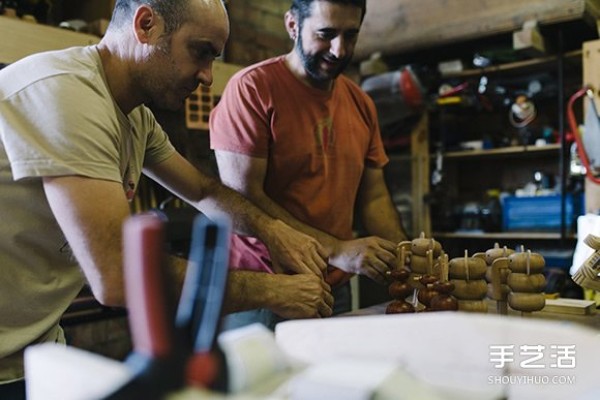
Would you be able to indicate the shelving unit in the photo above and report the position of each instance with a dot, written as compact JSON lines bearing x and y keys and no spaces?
{"x":504,"y":151}
{"x":468,"y":174}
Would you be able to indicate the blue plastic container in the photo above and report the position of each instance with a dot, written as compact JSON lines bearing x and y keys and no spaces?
{"x":539,"y":213}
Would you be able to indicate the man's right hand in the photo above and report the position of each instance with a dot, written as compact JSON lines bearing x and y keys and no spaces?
{"x":299,"y":296}
{"x":371,"y":256}
{"x":294,"y":251}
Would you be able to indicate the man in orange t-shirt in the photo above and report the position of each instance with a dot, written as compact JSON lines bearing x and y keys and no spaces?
{"x":303,"y":142}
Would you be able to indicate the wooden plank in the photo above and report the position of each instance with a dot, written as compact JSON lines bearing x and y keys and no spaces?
{"x":396,"y":26}
{"x":570,"y":306}
{"x":20,"y":39}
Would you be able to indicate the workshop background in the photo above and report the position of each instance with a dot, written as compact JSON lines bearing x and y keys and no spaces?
{"x":473,"y":109}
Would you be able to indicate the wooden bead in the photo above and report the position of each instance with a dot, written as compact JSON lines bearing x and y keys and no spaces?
{"x":526,"y":302}
{"x":469,"y":268}
{"x":518,"y":263}
{"x":419,"y":264}
{"x":419,"y":246}
{"x":497,"y":252}
{"x":526,"y":283}
{"x":400,"y":290}
{"x":399,"y":275}
{"x":469,"y":290}
{"x":473,"y":306}
{"x":399,"y":307}
{"x":444,"y":302}
{"x":443,"y":287}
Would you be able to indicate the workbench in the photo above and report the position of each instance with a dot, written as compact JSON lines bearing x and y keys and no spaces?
{"x":591,"y":321}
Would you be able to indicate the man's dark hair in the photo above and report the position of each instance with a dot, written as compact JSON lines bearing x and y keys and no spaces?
{"x":302,"y":8}
{"x":173,"y":12}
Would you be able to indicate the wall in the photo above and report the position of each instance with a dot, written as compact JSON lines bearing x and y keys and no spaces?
{"x":257,"y":30}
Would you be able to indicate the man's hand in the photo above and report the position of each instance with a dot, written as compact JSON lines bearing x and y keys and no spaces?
{"x":370,"y":256}
{"x":300,"y":296}
{"x":295,"y":252}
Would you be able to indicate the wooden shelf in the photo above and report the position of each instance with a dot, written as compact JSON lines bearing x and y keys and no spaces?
{"x":502,"y":235}
{"x":503,"y":151}
{"x":20,"y":39}
{"x":516,"y":66}
{"x":400,"y":26}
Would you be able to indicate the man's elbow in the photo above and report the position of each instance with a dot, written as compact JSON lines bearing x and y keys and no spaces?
{"x":109,"y":298}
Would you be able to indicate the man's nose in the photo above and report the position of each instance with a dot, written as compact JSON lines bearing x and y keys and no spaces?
{"x":338,"y":47}
{"x":205,"y":75}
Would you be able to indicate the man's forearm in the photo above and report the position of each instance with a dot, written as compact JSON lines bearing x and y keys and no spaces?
{"x":247,"y":290}
{"x":380,"y":218}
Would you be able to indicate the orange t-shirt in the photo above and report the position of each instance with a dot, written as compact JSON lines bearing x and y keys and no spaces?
{"x":317,"y":144}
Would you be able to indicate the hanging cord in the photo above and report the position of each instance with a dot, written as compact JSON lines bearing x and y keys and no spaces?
{"x":574,"y":129}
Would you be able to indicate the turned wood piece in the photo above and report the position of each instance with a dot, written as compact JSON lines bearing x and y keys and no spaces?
{"x":497,"y":252}
{"x":399,"y":290}
{"x":427,"y":293}
{"x":444,"y":300}
{"x":421,"y":245}
{"x":498,"y":288}
{"x":402,"y":252}
{"x":526,"y":282}
{"x":467,"y":275}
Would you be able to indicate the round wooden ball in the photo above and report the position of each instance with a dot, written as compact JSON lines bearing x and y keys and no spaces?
{"x":399,"y":307}
{"x":400,"y":290}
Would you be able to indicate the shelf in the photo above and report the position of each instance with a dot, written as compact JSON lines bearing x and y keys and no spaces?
{"x":514,"y":66}
{"x":502,"y":235}
{"x":502,"y":151}
{"x":20,"y":39}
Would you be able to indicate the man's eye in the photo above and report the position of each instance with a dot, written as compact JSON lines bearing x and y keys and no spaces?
{"x":326,"y":35}
{"x":204,"y":55}
{"x":351,"y":36}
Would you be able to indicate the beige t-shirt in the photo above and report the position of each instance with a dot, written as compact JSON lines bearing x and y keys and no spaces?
{"x":57,"y":118}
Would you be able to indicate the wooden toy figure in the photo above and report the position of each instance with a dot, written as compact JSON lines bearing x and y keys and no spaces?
{"x":470,"y":288}
{"x":399,"y":290}
{"x":526,"y":282}
{"x":444,"y":301}
{"x":496,"y":275}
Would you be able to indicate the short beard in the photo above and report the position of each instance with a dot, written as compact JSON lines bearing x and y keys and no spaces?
{"x":311,"y":65}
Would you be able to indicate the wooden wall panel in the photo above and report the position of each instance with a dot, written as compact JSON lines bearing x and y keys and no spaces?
{"x":398,"y":26}
{"x":20,"y":39}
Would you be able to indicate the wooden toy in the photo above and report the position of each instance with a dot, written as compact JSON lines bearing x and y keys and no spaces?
{"x":444,"y":301}
{"x":526,"y":282}
{"x":470,"y":288}
{"x":496,"y":276}
{"x":399,"y":290}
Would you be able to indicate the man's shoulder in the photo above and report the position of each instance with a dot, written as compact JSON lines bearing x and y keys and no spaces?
{"x":37,"y":67}
{"x":261,"y":69}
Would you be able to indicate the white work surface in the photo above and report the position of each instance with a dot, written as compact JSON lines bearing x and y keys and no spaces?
{"x":425,"y":356}
{"x":450,"y":352}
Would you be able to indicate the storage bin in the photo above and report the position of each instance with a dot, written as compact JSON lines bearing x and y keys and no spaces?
{"x":540,"y":212}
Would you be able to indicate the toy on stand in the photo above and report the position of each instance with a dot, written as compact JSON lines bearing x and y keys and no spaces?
{"x":526,"y":281}
{"x":470,"y":288}
{"x":444,"y":300}
{"x":399,"y":290}
{"x":496,"y":275}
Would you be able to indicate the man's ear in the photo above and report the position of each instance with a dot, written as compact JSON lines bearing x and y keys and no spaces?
{"x":145,"y":22}
{"x":291,"y":25}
